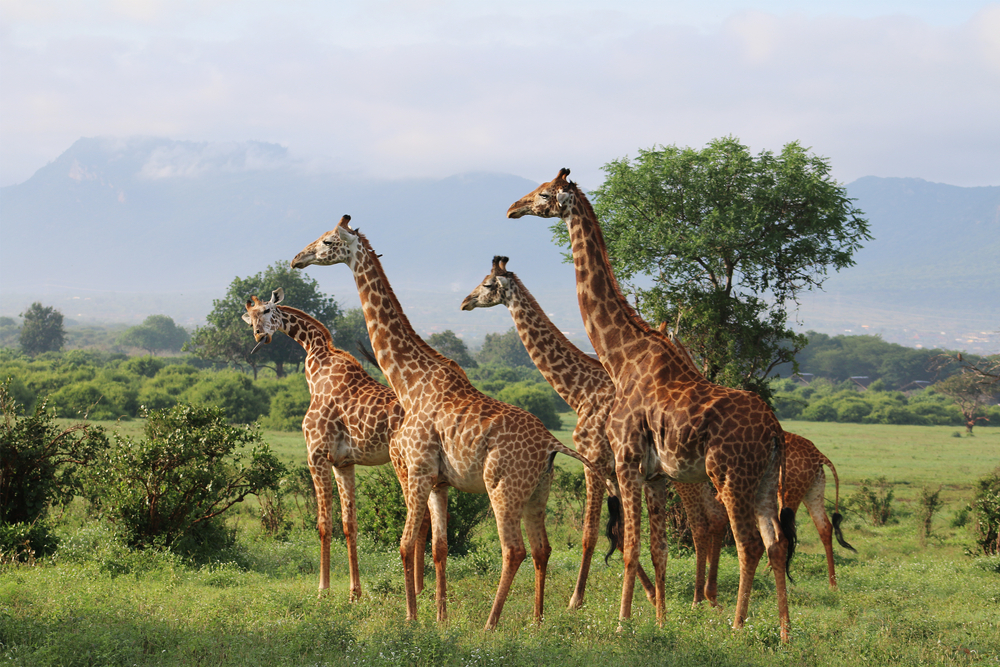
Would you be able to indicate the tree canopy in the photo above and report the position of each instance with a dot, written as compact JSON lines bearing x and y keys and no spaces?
{"x":156,"y":333}
{"x":453,"y":347}
{"x":42,"y":330}
{"x":505,"y":349}
{"x":719,"y":243}
{"x":227,"y":338}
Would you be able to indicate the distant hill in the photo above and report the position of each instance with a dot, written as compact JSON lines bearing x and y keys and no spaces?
{"x":115,"y":230}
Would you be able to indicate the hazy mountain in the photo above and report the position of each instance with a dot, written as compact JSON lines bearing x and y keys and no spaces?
{"x":115,"y":230}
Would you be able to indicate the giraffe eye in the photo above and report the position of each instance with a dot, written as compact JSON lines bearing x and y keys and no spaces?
{"x":544,"y":195}
{"x":328,"y":243}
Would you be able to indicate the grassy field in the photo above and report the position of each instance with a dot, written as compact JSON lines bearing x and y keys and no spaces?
{"x":903,"y":600}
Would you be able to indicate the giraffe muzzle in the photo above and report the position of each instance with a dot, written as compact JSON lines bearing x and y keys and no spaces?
{"x":303,"y":259}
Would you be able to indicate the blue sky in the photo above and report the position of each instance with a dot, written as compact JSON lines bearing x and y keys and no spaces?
{"x":432,"y":87}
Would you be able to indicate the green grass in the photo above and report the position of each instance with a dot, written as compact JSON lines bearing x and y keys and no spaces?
{"x":902,"y":600}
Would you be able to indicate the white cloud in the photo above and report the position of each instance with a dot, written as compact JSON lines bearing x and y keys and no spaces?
{"x":434,"y":88}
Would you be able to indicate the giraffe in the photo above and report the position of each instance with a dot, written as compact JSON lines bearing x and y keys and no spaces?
{"x":803,"y":480}
{"x":668,"y":422}
{"x":452,"y":435}
{"x":349,"y":422}
{"x":579,"y":379}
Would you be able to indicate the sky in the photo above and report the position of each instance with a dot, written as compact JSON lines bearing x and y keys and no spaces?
{"x":432,"y":88}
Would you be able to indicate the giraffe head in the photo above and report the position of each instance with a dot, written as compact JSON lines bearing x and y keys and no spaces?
{"x":554,"y":199}
{"x":493,"y":291}
{"x":264,"y":317}
{"x":337,"y":246}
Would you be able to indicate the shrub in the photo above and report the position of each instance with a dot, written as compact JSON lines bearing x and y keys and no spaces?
{"x":38,"y":466}
{"x":821,"y":411}
{"x":986,"y":513}
{"x":23,"y":542}
{"x":192,"y":466}
{"x":289,"y":403}
{"x":930,"y":503}
{"x":873,"y":500}
{"x":235,"y":393}
{"x":382,"y":511}
{"x":536,"y":399}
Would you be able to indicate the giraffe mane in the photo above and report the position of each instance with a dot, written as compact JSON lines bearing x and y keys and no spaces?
{"x":404,"y":320}
{"x":553,"y":329}
{"x":327,"y":336}
{"x":681,"y":352}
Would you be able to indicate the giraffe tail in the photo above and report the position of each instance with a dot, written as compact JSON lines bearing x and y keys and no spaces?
{"x":786,"y":516}
{"x":615,"y":529}
{"x":837,"y":516}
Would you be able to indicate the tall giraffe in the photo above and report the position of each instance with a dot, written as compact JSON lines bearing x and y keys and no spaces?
{"x":803,"y":481}
{"x":452,"y":434}
{"x":668,"y":422}
{"x":579,"y":379}
{"x":350,"y":420}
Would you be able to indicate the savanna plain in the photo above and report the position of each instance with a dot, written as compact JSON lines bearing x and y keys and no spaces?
{"x":904,"y":598}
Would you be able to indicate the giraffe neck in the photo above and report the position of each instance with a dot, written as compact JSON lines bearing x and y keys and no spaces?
{"x":316,"y":340}
{"x":574,"y":375}
{"x":405,"y":358}
{"x":616,"y":331}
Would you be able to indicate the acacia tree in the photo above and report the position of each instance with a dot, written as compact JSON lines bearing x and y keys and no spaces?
{"x":42,"y":329}
{"x":157,"y":332}
{"x":227,"y":339}
{"x":719,"y":243}
{"x":970,"y":394}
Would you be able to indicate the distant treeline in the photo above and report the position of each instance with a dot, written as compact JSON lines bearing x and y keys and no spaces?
{"x":107,"y":386}
{"x":839,"y":358}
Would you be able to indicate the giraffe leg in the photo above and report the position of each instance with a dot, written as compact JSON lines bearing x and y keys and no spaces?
{"x":694,"y":499}
{"x":319,"y":468}
{"x":349,"y":518}
{"x":630,"y":484}
{"x":591,"y":522}
{"x":777,"y":530}
{"x":508,"y":516}
{"x":534,"y":523}
{"x":814,"y":502}
{"x":656,"y":505}
{"x":438,"y":509}
{"x":417,"y":491}
{"x":420,"y":552}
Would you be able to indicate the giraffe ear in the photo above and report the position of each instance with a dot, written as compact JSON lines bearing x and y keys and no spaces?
{"x":246,"y":318}
{"x":277,"y":296}
{"x":563,"y":197}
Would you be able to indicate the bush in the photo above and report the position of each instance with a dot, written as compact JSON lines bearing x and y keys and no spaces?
{"x":873,"y":500}
{"x":820,"y":411}
{"x":236,"y":394}
{"x":930,"y":503}
{"x":986,"y":514}
{"x":289,"y":402}
{"x":382,"y":511}
{"x":23,"y":542}
{"x":536,"y":399}
{"x":39,"y":460}
{"x":167,"y":489}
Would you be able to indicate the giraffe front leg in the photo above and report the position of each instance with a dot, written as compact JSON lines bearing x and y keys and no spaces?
{"x":349,"y":518}
{"x":659,"y":549}
{"x":512,"y":548}
{"x":630,"y":484}
{"x":319,"y":468}
{"x":438,"y":509}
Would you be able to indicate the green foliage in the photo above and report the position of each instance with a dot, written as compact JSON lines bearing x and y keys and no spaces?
{"x":41,"y":330}
{"x":535,"y":398}
{"x":24,"y":542}
{"x":729,"y":240}
{"x":873,"y":500}
{"x":505,"y":349}
{"x":930,"y":502}
{"x":145,"y":366}
{"x":382,"y":511}
{"x":38,"y":466}
{"x":986,"y":513}
{"x":240,"y":399}
{"x":169,"y":488}
{"x":10,"y":332}
{"x":156,"y":333}
{"x":290,"y":400}
{"x":227,"y":339}
{"x":453,"y":347}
